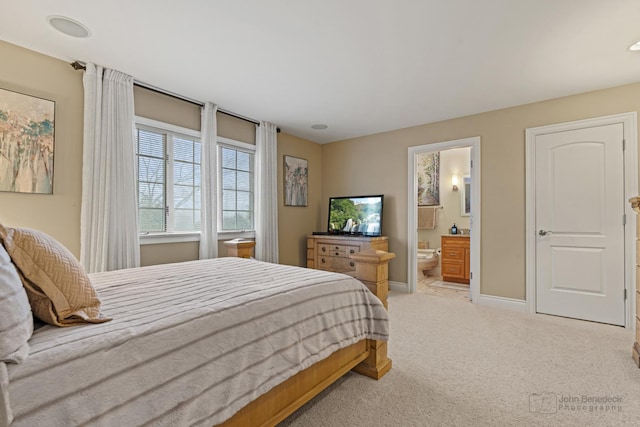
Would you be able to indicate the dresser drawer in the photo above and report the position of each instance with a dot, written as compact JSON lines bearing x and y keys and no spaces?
{"x":332,"y":250}
{"x":350,"y":250}
{"x":453,"y":269}
{"x":331,"y":263}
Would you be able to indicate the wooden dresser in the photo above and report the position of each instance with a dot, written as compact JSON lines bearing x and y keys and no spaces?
{"x":331,"y":252}
{"x":455,"y":258}
{"x":635,"y":352}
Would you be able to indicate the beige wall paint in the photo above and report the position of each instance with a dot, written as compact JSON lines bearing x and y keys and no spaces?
{"x":58,"y":214}
{"x":295,"y":223}
{"x":166,"y":253}
{"x":235,"y":128}
{"x":384,"y":170}
{"x":164,"y":108}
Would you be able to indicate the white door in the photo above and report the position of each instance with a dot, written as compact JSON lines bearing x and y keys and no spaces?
{"x":580,"y":270}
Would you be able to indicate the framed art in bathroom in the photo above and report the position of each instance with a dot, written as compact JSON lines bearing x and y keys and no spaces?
{"x":465,"y":196}
{"x":428,"y":171}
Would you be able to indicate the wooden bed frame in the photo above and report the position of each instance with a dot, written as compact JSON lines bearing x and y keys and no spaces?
{"x":367,"y":357}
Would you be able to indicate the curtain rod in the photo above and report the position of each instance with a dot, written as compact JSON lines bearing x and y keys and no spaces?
{"x":77,"y":65}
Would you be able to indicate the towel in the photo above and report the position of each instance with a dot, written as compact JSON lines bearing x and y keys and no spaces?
{"x":427,"y":217}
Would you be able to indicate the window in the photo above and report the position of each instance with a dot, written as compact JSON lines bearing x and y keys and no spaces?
{"x":168,"y":178}
{"x":236,"y":162}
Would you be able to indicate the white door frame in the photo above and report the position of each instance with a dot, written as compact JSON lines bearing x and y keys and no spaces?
{"x":629,"y":121}
{"x":412,"y":220}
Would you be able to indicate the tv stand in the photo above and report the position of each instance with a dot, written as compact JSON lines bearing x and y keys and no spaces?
{"x":331,"y":252}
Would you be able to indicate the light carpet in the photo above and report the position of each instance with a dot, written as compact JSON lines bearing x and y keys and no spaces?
{"x":456,"y":363}
{"x":449,"y":285}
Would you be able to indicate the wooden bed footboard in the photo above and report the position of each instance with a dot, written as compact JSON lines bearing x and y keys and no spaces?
{"x":284,"y":399}
{"x":367,"y":357}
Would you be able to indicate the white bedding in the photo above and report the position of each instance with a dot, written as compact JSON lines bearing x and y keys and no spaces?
{"x":189,"y":343}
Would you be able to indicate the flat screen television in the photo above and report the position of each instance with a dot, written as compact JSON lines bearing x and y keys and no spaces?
{"x":357,"y":215}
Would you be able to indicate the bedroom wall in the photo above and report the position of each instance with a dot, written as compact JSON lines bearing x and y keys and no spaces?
{"x":335,"y":169}
{"x":58,"y":214}
{"x":29,"y":72}
{"x":502,"y":182}
{"x":294,"y":222}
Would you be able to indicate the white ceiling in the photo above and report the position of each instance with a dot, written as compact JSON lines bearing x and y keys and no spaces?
{"x":359,"y":66}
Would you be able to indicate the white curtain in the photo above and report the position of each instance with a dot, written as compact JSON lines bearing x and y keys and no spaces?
{"x":208,"y":184}
{"x":266,"y":209}
{"x":109,"y":212}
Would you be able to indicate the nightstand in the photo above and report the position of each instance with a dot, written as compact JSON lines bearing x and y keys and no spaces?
{"x":240,"y":248}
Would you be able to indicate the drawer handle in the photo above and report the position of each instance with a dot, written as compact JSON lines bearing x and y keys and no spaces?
{"x":352,"y":264}
{"x":324,"y":249}
{"x":337,"y":254}
{"x":322,"y":260}
{"x":336,"y":247}
{"x":352,"y":251}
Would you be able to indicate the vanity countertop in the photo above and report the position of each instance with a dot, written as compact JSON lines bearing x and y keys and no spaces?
{"x":456,"y":235}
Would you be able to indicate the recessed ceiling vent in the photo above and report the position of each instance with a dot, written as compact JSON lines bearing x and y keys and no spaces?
{"x":69,"y":26}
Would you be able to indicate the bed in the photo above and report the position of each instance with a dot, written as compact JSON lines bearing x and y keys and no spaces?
{"x":227,"y":341}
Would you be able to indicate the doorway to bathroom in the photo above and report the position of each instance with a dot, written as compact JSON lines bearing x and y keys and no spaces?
{"x":444,"y":218}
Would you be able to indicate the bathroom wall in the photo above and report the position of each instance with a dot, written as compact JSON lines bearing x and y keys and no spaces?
{"x":455,"y":161}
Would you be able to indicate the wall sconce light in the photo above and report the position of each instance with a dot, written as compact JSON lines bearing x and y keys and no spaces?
{"x":454,"y":182}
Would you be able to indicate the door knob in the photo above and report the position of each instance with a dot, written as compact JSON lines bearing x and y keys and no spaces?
{"x":544,"y":232}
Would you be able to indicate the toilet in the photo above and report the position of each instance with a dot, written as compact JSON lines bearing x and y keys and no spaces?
{"x":427,"y":259}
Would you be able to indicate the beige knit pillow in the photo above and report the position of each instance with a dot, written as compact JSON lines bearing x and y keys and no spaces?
{"x":59,"y":290}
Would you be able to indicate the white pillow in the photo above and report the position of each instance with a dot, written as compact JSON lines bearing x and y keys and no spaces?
{"x":16,"y":320}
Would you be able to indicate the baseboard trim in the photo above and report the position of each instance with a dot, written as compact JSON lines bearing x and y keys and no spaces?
{"x":399,"y":287}
{"x":502,"y":302}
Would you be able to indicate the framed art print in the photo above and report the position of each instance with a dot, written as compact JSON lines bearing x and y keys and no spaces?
{"x":26,"y":143}
{"x":296,"y":177}
{"x":428,"y":167}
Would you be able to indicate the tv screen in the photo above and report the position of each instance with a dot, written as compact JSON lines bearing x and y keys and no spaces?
{"x":359,"y":215}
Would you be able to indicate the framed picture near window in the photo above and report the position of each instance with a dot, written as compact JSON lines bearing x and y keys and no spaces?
{"x":26,"y":143}
{"x":296,"y":176}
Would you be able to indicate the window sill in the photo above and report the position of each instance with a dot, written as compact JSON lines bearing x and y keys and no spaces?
{"x":227,"y":235}
{"x":163,"y":238}
{"x":159,"y":238}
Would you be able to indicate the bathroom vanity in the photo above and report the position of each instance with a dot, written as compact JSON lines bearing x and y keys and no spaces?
{"x":455,"y":258}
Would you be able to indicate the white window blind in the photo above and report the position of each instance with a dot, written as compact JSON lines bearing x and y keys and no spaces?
{"x":168,"y":181}
{"x":236,"y":188}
